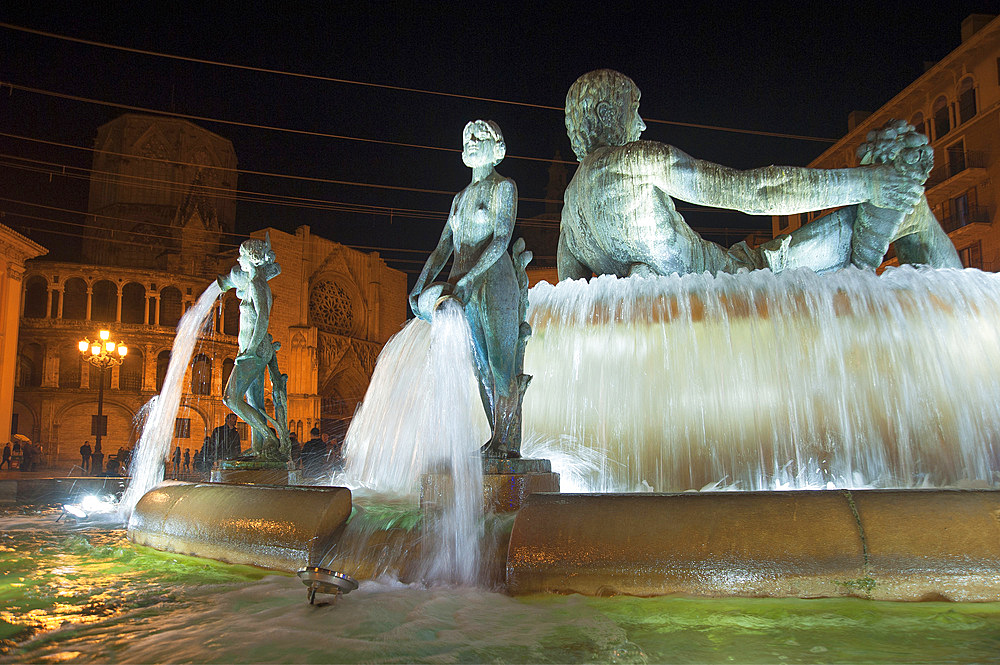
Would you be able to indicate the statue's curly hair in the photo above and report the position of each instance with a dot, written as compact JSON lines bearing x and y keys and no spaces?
{"x":584,"y":127}
{"x":258,"y":251}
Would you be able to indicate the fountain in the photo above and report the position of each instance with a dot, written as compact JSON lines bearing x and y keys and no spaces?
{"x":682,"y":367}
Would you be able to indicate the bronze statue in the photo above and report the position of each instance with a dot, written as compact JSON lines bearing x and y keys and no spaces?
{"x":619,"y":216}
{"x":490,"y":284}
{"x":257,"y":358}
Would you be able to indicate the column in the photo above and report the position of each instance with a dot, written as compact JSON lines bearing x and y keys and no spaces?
{"x":145,"y":311}
{"x":148,"y":368}
{"x":48,"y":300}
{"x":118,"y":317}
{"x":62,"y":299}
{"x":90,"y":299}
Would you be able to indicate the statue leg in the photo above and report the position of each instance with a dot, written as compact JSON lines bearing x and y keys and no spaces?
{"x":498,"y":307}
{"x":484,"y":378}
{"x":922,"y":241}
{"x":246,"y":380}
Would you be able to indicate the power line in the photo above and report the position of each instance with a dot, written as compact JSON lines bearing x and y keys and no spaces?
{"x":330,"y":79}
{"x":237,"y":123}
{"x":269,"y":174}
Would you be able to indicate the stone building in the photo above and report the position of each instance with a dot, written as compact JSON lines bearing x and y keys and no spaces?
{"x":161,"y":198}
{"x":956,"y":103}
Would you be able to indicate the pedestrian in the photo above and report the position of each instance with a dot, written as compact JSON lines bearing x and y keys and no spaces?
{"x":97,"y":461}
{"x":295,"y":451}
{"x":336,"y":447}
{"x":313,"y":454}
{"x":17,"y":455}
{"x":224,"y":442}
{"x":6,"y":456}
{"x":177,"y":461}
{"x":187,"y":460}
{"x":85,"y":453}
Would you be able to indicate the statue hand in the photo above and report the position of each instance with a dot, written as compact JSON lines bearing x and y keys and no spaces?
{"x":463,"y":290}
{"x":415,"y":307}
{"x":894,"y":190}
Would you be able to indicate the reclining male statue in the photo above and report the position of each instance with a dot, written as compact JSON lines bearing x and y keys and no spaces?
{"x":619,"y":216}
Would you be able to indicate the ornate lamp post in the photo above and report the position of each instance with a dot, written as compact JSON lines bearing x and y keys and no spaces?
{"x":102,"y":354}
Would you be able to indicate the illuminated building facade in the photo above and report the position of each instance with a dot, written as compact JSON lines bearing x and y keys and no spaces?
{"x":161,"y":198}
{"x":956,"y":103}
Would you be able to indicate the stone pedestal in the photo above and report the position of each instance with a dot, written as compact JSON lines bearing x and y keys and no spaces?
{"x":506,"y":484}
{"x":254,"y":472}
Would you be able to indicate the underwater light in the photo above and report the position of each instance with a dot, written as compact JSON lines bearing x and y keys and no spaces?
{"x":89,"y":505}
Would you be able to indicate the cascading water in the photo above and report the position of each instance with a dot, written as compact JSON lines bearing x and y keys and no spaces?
{"x":759,"y":381}
{"x":147,"y":467}
{"x":422,"y":414}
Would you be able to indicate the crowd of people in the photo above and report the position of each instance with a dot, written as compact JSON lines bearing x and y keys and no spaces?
{"x":320,"y":456}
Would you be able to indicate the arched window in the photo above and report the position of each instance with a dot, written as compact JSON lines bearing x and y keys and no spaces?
{"x":227,"y":369}
{"x":36,"y":292}
{"x":942,"y":121}
{"x":201,"y":375}
{"x":162,"y":362}
{"x":29,"y":366}
{"x":231,"y":316}
{"x":130,"y":375}
{"x":966,"y":100}
{"x":104,"y":301}
{"x":75,"y":299}
{"x":69,"y":367}
{"x":170,"y":306}
{"x":133,"y":303}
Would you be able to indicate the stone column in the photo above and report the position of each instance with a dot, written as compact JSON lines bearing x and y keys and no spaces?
{"x":90,"y":299}
{"x":62,"y":298}
{"x":118,"y":316}
{"x":148,"y":367}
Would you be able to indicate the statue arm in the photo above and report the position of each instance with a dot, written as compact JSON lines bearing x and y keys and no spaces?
{"x":778,"y":190}
{"x":434,"y":264}
{"x":504,"y":206}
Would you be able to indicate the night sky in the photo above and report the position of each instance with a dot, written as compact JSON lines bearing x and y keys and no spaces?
{"x":763,"y":67}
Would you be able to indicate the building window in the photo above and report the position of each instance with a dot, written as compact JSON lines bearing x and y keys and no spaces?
{"x":804,"y":219}
{"x":201,"y":375}
{"x":133,"y":303}
{"x":956,"y":157}
{"x":162,"y":362}
{"x":942,"y":121}
{"x":36,"y":292}
{"x":75,"y":299}
{"x":29,"y":366}
{"x":170,"y":306}
{"x":918,"y":122}
{"x":782,"y":222}
{"x":972,"y":256}
{"x":130,"y":375}
{"x":93,"y":425}
{"x":182,"y":428}
{"x":966,"y":101}
{"x":69,"y":368}
{"x":227,"y":369}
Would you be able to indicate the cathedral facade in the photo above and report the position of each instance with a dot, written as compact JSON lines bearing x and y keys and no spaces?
{"x":162,"y":196}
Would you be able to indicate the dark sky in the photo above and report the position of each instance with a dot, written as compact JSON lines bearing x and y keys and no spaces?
{"x":798,"y":68}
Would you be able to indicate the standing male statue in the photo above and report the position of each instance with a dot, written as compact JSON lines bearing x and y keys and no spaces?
{"x":619,"y":216}
{"x":489,"y":283}
{"x":257,"y":358}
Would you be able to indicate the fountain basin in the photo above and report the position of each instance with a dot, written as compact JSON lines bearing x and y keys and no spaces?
{"x":878,"y":544}
{"x":281,"y":528}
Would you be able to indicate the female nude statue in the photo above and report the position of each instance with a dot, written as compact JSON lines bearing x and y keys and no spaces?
{"x":488,"y":282}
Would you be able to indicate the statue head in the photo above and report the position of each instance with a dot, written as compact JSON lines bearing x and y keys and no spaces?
{"x":482,"y":144}
{"x":602,"y":109}
{"x":257,"y":254}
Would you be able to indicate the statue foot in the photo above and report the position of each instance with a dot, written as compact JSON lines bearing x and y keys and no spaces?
{"x":494,"y":449}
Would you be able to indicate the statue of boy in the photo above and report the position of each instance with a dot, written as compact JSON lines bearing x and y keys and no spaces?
{"x":619,"y":216}
{"x":257,"y":358}
{"x":489,"y":283}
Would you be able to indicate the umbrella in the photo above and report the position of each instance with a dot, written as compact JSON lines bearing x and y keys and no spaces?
{"x":22,"y":438}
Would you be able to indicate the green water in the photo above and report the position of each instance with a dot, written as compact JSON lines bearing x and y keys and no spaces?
{"x":75,"y":594}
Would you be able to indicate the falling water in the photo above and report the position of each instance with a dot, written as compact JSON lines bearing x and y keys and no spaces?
{"x":422,"y":414}
{"x":762,"y":381}
{"x":147,"y":467}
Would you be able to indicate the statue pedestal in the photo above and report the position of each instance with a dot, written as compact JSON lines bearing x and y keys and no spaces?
{"x":506,"y":484}
{"x":255,"y":472}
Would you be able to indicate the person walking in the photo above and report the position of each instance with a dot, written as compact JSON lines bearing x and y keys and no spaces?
{"x":177,"y":461}
{"x":187,"y":460}
{"x":85,"y":453}
{"x":97,"y":461}
{"x":6,"y":456}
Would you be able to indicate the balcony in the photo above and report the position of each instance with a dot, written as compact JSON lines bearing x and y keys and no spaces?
{"x":963,"y":170}
{"x":974,"y":215}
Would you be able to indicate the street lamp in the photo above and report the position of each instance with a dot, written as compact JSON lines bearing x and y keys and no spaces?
{"x":102,"y":353}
